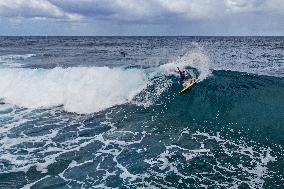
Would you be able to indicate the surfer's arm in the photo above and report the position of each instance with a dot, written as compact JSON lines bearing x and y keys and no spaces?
{"x":179,"y":70}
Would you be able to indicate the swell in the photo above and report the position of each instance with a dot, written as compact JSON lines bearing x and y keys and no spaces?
{"x":252,"y":101}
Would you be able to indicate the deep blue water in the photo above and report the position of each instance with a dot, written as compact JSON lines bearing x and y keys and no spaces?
{"x":82,"y":112}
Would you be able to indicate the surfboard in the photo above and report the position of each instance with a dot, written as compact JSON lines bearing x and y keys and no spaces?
{"x":186,"y":88}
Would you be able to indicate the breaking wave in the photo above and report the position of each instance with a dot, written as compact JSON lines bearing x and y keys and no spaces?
{"x":92,"y":89}
{"x":81,"y":90}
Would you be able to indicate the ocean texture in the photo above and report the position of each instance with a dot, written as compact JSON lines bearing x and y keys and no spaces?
{"x":104,"y":112}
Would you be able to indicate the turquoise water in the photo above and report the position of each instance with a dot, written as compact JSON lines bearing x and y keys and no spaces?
{"x":76,"y":114}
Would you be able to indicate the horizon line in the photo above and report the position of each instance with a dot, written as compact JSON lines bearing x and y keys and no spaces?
{"x":141,"y":35}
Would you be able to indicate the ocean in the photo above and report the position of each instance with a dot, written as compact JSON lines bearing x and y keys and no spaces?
{"x":104,"y":112}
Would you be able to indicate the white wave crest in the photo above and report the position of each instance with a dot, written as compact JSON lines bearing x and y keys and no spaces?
{"x":80,"y":90}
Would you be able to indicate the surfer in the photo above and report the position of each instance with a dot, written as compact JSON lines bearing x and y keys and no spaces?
{"x":186,"y":77}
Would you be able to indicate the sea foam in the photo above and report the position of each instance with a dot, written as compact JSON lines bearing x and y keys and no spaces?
{"x":81,"y":90}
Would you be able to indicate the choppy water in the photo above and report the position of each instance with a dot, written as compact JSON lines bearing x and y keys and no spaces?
{"x":76,"y":113}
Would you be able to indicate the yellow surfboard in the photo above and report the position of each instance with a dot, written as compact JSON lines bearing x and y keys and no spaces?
{"x":187,"y":87}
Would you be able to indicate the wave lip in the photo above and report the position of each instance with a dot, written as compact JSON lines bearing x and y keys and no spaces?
{"x":80,"y":90}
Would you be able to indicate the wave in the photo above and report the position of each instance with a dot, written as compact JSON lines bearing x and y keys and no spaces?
{"x":81,"y":90}
{"x":87,"y":90}
{"x":14,"y":60}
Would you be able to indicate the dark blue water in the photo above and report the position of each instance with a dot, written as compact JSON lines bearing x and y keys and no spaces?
{"x":82,"y":112}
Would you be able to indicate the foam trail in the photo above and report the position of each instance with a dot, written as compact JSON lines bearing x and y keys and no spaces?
{"x":80,"y":90}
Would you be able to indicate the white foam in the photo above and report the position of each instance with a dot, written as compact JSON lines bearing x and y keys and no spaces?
{"x":81,"y":90}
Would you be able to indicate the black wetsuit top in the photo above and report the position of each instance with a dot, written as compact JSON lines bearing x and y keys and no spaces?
{"x":182,"y":75}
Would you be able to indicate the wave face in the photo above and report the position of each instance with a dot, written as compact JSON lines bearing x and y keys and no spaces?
{"x":118,"y":122}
